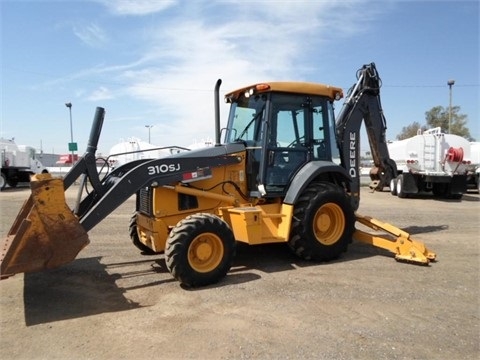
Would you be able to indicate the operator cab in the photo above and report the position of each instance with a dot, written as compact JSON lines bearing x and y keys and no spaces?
{"x":283,"y":126}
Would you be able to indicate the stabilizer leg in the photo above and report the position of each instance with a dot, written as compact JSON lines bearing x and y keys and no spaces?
{"x":404,"y":248}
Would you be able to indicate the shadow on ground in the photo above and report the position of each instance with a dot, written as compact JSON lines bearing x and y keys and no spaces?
{"x":82,"y":288}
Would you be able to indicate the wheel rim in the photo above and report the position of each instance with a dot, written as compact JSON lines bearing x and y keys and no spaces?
{"x":205,"y":252}
{"x":329,"y":223}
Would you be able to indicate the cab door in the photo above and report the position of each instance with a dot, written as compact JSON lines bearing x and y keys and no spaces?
{"x":287,"y":138}
{"x":297,"y":132}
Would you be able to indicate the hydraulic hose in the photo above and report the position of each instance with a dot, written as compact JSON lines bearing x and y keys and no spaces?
{"x":455,"y":154}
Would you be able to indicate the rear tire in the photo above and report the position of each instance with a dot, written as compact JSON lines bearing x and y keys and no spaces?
{"x":323,"y":223}
{"x":393,"y":187}
{"x":3,"y":181}
{"x":440,"y":189}
{"x":132,"y":230}
{"x":12,"y":183}
{"x":200,"y":250}
{"x":399,"y":187}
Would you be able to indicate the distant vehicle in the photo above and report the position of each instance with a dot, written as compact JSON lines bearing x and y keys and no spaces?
{"x":431,"y":161}
{"x":66,"y":159}
{"x":17,"y":163}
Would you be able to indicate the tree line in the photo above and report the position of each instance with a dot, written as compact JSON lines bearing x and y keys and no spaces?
{"x":439,"y":116}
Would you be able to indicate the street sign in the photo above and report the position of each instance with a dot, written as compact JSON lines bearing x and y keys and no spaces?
{"x":72,"y":146}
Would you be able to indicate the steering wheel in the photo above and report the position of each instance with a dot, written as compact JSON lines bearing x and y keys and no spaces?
{"x":296,"y":142}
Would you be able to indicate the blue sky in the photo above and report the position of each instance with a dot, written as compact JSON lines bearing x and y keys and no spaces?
{"x":156,"y":62}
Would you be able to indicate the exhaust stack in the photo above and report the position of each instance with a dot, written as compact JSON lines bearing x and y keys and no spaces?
{"x":217,"y":112}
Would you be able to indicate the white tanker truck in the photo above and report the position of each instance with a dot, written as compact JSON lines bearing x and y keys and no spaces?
{"x":17,"y":163}
{"x":134,"y":149}
{"x":431,"y":161}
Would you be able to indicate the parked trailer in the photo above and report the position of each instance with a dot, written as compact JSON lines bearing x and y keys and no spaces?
{"x":431,"y":161}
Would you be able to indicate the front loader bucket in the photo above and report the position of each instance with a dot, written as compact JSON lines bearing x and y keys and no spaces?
{"x":45,"y":234}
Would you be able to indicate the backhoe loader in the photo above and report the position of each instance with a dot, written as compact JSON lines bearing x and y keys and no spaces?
{"x":285,"y":172}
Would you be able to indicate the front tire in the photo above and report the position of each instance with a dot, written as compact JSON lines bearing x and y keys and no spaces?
{"x":323,"y":223}
{"x":200,"y":250}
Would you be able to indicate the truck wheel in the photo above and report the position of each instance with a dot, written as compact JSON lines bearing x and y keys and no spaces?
{"x":399,"y":187}
{"x":3,"y":181}
{"x":323,"y":223}
{"x":452,"y":196}
{"x":393,"y":187}
{"x":132,"y":230}
{"x":440,"y":189}
{"x":455,"y":196}
{"x":12,"y":183}
{"x":200,"y":250}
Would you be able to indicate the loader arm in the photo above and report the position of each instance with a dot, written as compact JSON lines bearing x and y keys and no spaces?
{"x":363,"y":103}
{"x":47,"y":233}
{"x":119,"y":186}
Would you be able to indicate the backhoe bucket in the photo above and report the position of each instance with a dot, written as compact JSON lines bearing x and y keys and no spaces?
{"x":45,"y":234}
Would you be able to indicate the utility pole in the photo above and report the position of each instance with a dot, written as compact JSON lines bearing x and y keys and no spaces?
{"x":149,"y":127}
{"x":450,"y":85}
{"x":71,"y":146}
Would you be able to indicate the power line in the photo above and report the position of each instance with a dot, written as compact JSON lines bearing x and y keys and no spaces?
{"x":430,"y":86}
{"x":68,"y":78}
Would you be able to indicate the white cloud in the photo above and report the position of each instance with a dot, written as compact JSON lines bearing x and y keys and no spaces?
{"x":102,"y":93}
{"x":188,"y":53}
{"x":92,"y":35}
{"x":137,"y":7}
{"x":180,"y":57}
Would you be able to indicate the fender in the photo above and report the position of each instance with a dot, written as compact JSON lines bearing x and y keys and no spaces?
{"x":308,"y":173}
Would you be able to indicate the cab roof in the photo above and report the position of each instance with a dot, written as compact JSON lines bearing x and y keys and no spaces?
{"x":295,"y":87}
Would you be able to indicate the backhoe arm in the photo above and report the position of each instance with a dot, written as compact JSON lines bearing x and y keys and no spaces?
{"x":363,"y":103}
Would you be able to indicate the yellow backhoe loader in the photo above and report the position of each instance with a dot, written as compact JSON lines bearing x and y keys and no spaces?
{"x":285,"y":172}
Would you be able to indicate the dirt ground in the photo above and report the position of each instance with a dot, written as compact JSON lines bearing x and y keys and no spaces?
{"x":114,"y":303}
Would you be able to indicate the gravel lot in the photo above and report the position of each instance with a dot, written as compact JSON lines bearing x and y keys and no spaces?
{"x":114,"y":303}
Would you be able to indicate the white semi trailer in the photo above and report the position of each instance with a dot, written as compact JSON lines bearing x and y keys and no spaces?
{"x":431,"y":161}
{"x":17,"y":163}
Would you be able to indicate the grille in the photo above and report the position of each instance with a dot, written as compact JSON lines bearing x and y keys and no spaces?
{"x":145,"y":201}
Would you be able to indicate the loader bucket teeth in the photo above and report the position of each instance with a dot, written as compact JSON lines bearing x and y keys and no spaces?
{"x":45,"y":234}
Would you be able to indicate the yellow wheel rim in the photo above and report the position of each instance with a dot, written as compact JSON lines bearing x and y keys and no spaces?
{"x":205,"y":252}
{"x":328,"y":224}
